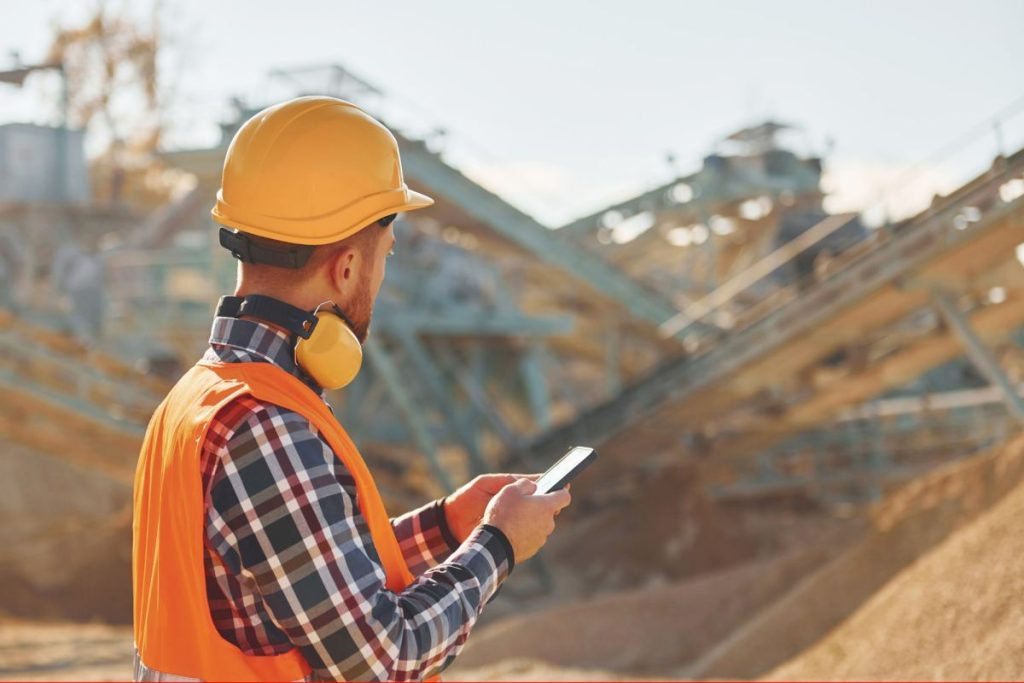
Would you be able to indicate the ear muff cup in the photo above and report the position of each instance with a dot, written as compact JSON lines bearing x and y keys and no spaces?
{"x":332,"y":355}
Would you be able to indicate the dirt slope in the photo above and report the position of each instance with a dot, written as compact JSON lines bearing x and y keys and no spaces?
{"x":65,"y":541}
{"x":52,"y":651}
{"x":908,"y":524}
{"x":533,"y":670}
{"x":957,"y":613}
{"x":649,"y":630}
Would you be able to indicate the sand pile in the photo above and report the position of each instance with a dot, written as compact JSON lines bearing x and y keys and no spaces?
{"x":744,"y":621}
{"x":957,"y":613}
{"x":663,"y":528}
{"x":534,"y":670}
{"x":651,"y":631}
{"x":908,"y":524}
{"x":698,"y":571}
{"x":65,"y":544}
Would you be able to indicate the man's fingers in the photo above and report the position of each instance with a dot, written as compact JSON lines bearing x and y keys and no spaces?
{"x":525,"y":485}
{"x":523,"y":475}
{"x":499,"y":480}
{"x":492,"y":483}
{"x":502,"y":479}
{"x":557,"y":499}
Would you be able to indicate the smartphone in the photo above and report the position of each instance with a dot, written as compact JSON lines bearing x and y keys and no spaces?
{"x":563,"y":471}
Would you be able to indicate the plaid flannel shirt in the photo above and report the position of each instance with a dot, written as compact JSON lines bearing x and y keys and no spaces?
{"x":288,"y":556}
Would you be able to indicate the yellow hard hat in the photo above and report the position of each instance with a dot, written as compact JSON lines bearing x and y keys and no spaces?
{"x":312,"y":170}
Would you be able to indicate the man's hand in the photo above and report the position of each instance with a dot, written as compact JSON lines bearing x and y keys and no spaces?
{"x":526,"y":519}
{"x":464,"y":509}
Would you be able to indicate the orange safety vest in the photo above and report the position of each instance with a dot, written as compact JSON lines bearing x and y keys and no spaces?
{"x":174,"y":632}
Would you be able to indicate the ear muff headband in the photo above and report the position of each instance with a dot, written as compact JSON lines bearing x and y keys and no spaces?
{"x":326,"y":348}
{"x":291,"y":318}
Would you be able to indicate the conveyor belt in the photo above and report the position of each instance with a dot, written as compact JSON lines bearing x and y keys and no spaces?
{"x":952,"y":243}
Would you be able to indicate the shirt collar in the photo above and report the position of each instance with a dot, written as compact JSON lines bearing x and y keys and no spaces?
{"x":262,"y":342}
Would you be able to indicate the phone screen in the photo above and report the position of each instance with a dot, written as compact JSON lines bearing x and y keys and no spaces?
{"x":557,"y":473}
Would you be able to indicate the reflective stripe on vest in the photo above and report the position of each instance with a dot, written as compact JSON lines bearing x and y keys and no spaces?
{"x":174,"y":632}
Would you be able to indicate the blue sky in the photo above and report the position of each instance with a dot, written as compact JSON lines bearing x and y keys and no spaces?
{"x":565,"y":106}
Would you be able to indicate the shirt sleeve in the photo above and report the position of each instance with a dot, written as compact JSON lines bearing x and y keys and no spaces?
{"x":285,"y":514}
{"x":424,"y":537}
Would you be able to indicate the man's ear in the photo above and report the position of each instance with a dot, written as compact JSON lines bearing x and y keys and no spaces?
{"x":342,"y":268}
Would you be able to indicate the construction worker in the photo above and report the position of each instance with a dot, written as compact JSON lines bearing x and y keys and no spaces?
{"x":262,"y":550}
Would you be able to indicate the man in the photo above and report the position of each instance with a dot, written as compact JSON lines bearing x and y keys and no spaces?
{"x":261,"y":547}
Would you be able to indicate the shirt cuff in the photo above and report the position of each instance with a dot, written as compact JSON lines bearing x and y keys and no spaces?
{"x":487,"y":554}
{"x":442,"y":525}
{"x":506,"y":544}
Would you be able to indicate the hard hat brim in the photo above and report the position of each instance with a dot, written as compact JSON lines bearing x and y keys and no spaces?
{"x":417,"y":200}
{"x":321,"y":229}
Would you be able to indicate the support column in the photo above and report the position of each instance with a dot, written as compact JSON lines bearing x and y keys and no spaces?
{"x":531,"y":368}
{"x":385,"y":368}
{"x":613,"y":359}
{"x":979,"y":354}
{"x":878,"y":458}
{"x":444,"y":396}
{"x":474,"y":389}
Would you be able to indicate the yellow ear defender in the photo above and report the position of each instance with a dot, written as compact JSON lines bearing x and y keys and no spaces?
{"x":326,"y":348}
{"x":332,"y":354}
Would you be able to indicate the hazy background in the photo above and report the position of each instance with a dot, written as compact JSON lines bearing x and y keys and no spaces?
{"x":575,"y":104}
{"x":810,"y":480}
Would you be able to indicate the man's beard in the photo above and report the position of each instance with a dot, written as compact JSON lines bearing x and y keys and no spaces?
{"x":360,"y":312}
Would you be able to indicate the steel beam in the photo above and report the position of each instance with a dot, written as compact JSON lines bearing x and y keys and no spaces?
{"x":479,"y":401}
{"x":613,"y":359}
{"x":429,"y":170}
{"x":125,"y":395}
{"x":385,"y":368}
{"x":709,"y":190}
{"x":755,"y":273}
{"x":443,"y":396}
{"x":17,"y":385}
{"x":474,"y":323}
{"x":868,"y":447}
{"x":920,"y":241}
{"x":531,"y":368}
{"x":982,"y":358}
